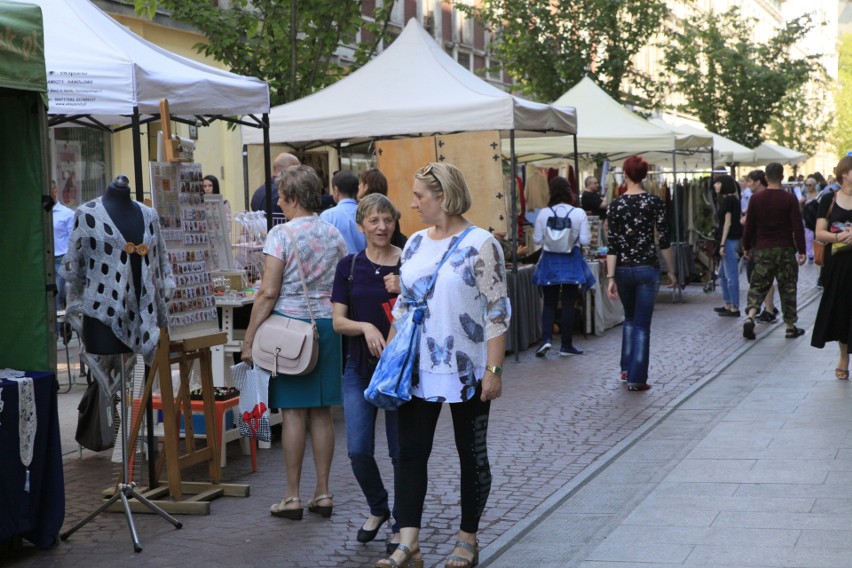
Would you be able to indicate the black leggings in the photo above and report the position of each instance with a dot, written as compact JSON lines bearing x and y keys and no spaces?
{"x":417,"y":421}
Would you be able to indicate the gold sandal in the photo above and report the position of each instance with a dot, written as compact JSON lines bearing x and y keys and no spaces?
{"x":324,"y":510}
{"x":465,"y":562}
{"x":278,"y":510}
{"x":410,"y":559}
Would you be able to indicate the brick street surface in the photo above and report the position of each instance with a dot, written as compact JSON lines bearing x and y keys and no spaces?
{"x":557,"y":419}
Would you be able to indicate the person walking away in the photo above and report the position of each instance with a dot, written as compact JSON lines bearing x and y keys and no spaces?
{"x":633,"y":270}
{"x":834,"y":227}
{"x":730,"y":231}
{"x":774,"y":226}
{"x":460,"y":356}
{"x":560,"y":267}
{"x":364,"y":284}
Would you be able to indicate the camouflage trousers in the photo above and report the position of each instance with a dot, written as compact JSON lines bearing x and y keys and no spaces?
{"x":778,"y":263}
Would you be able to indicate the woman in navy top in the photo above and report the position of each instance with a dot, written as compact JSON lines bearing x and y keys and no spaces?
{"x":363,"y":287}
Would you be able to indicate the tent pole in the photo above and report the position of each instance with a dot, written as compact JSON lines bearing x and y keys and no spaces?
{"x":245,"y":178}
{"x":267,"y":171}
{"x":137,"y":154}
{"x":513,"y":220}
{"x":577,"y":165}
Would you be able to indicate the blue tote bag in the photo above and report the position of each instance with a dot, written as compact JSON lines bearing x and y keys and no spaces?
{"x":390,"y":386}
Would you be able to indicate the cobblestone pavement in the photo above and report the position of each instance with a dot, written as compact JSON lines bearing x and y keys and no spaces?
{"x":555,"y":419}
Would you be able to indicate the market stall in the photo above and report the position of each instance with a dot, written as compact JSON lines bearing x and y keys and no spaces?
{"x":32,"y":498}
{"x":106,"y":77}
{"x":413,"y":89}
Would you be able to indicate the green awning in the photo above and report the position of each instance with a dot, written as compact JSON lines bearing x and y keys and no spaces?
{"x":22,"y":48}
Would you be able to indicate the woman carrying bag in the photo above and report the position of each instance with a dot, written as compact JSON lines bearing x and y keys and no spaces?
{"x":307,"y":240}
{"x":461,"y":352}
{"x":561,"y":269}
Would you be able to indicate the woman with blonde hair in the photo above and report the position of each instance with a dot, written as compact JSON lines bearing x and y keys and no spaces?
{"x":461,"y":352}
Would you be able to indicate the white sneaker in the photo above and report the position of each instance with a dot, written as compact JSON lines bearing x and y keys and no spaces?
{"x":545,"y":347}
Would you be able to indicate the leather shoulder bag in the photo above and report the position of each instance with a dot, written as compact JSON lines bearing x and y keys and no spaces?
{"x":284,"y":345}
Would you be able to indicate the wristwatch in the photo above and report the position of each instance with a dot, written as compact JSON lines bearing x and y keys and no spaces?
{"x":497,"y":370}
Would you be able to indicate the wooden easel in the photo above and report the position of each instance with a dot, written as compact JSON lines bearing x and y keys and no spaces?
{"x":184,"y":353}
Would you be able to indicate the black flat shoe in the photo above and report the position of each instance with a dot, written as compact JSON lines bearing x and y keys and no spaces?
{"x":748,"y":329}
{"x":794,"y":332}
{"x":364,"y":536}
{"x":720,"y":309}
{"x":730,"y":314}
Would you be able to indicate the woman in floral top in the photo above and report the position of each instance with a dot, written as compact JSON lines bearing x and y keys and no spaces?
{"x":461,"y":353}
{"x":633,"y":271}
{"x":306,"y":398}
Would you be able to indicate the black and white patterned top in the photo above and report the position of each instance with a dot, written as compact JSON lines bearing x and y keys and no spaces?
{"x":100,"y":281}
{"x":632,"y":220}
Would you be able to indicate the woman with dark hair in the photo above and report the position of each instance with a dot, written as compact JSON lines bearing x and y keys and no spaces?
{"x":834,"y":228}
{"x":210,"y":186}
{"x":559,"y":272}
{"x":729,"y":231}
{"x":633,"y":271}
{"x":304,"y":243}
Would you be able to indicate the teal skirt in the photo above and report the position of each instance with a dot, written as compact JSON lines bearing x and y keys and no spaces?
{"x":321,"y":387}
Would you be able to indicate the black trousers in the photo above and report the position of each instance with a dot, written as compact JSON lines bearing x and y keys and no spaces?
{"x":417,"y":422}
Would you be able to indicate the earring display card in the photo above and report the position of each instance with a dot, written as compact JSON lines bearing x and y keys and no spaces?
{"x":218,"y":234}
{"x":179,"y":201}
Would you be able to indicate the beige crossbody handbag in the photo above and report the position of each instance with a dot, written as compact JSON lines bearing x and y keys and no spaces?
{"x":284,"y":345}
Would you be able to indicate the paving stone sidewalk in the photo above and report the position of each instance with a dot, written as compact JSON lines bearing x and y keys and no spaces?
{"x":557,"y":419}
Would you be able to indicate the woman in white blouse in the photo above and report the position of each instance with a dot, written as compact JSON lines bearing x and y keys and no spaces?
{"x":461,"y":353}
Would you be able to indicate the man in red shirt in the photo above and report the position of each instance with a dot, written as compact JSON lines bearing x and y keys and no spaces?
{"x":774,"y":225}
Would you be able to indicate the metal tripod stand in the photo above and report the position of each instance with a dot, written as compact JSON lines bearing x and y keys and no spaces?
{"x":125,"y":490}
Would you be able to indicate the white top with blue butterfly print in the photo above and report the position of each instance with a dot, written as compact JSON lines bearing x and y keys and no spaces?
{"x":468,"y":306}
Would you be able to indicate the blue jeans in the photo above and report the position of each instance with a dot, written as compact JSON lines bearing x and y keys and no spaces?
{"x":637,"y":289}
{"x":729,"y":275}
{"x":360,"y":417}
{"x":551,"y":296}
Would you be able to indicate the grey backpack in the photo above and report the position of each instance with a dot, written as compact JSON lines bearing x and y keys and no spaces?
{"x":557,"y":233}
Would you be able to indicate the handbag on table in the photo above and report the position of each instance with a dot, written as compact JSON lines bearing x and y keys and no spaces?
{"x":285,"y":345}
{"x":390,"y":386}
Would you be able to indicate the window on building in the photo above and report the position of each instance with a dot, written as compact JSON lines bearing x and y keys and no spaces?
{"x":464,"y":59}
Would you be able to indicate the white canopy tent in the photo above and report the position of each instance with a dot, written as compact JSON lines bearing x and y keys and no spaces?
{"x":412,"y":88}
{"x":102,"y":75}
{"x":724,"y":150}
{"x":768,"y":152}
{"x":604,"y":126}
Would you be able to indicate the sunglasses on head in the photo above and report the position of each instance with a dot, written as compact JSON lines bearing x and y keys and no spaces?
{"x":429,"y":170}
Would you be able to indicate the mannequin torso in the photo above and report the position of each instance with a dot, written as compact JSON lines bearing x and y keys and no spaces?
{"x":127,"y":217}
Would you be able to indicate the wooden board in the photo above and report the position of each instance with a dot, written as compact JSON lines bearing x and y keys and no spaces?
{"x":478,"y":156}
{"x":398,"y":160}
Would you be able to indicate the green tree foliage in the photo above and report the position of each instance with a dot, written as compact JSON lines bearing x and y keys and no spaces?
{"x":843,"y":100}
{"x":256,"y":38}
{"x":733,"y":84}
{"x":549,"y":46}
{"x":804,"y":119}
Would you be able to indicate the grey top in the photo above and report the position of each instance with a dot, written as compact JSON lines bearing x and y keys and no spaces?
{"x":100,"y":283}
